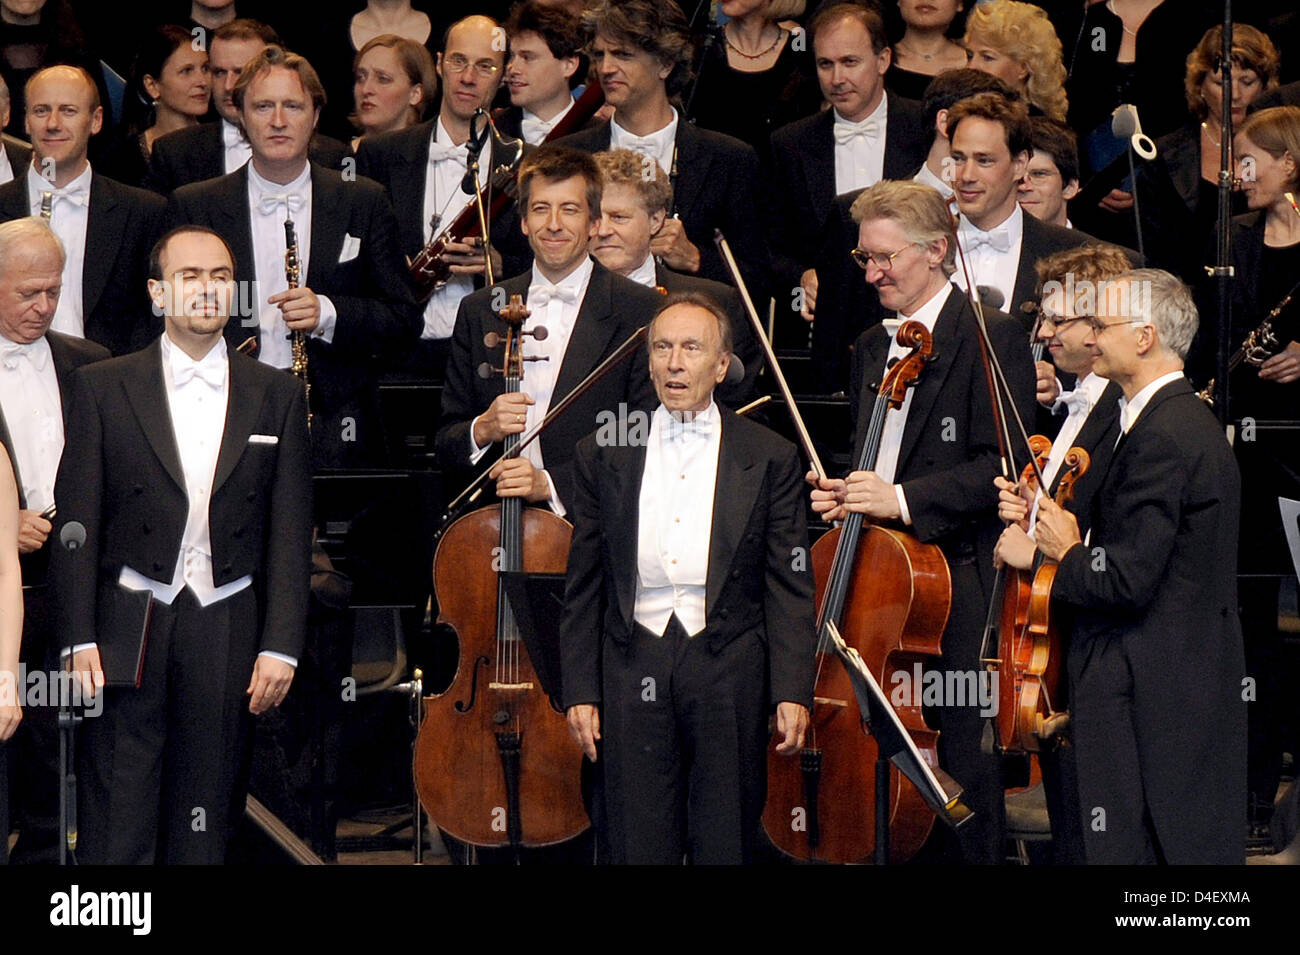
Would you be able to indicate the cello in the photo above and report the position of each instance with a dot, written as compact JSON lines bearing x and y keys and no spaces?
{"x":889,"y":595}
{"x":495,"y":764}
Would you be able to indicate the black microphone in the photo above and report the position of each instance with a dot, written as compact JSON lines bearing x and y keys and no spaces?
{"x":477,"y":140}
{"x":1125,"y":125}
{"x":989,"y":296}
{"x":735,"y":371}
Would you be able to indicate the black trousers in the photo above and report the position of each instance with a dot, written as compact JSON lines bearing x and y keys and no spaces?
{"x":162,"y":773}
{"x":33,"y":751}
{"x":961,"y":728}
{"x":1116,"y":826}
{"x":684,"y":748}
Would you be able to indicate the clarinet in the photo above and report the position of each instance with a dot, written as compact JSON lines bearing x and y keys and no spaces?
{"x":298,"y":339}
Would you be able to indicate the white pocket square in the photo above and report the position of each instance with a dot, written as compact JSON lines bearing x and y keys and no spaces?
{"x":263,"y":439}
{"x":351,"y":248}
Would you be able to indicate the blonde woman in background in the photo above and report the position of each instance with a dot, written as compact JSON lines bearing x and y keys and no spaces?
{"x":1018,"y":44}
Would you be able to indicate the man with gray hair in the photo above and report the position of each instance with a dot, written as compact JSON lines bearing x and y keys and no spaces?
{"x":1155,"y":659}
{"x":36,"y":367}
{"x":14,"y":153}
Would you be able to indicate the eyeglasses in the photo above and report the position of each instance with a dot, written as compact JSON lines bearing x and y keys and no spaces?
{"x":1097,"y":325}
{"x":459,"y":64}
{"x":883,"y":260}
{"x":1047,"y":318}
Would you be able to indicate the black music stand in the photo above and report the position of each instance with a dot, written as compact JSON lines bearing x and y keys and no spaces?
{"x":537,"y":601}
{"x":893,"y":744}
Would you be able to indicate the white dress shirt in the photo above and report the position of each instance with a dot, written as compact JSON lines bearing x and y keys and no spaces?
{"x":1078,"y":404}
{"x":993,"y":255}
{"x":676,"y":519}
{"x":860,"y":149}
{"x":891,"y":438}
{"x":444,"y":198}
{"x":6,"y":167}
{"x":235,"y":148}
{"x":645,"y":273}
{"x":268,"y":210}
{"x":926,"y":178}
{"x":556,"y":307}
{"x":534,"y":129}
{"x":1130,"y":410}
{"x":33,"y":411}
{"x":659,"y":145}
{"x":69,"y":217}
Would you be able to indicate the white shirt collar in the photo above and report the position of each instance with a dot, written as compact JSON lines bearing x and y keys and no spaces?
{"x":231,"y":135}
{"x":928,"y":313}
{"x":175,"y":359}
{"x":645,"y":273}
{"x":36,"y":183}
{"x":1130,"y":411}
{"x":441,"y":135}
{"x":660,"y":137}
{"x":262,"y":186}
{"x":6,"y":167}
{"x":1014,"y":225}
{"x":926,"y":178}
{"x":708,"y":421}
{"x":877,"y":115}
{"x":578,"y":278}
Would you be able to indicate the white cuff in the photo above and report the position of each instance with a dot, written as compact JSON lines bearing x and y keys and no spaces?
{"x":329,"y":316}
{"x":282,"y":657}
{"x":475,"y":452}
{"x":556,"y":506}
{"x":73,"y":651}
{"x":902,"y":505}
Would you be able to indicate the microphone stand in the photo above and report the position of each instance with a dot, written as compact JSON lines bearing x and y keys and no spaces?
{"x":1222,"y":269}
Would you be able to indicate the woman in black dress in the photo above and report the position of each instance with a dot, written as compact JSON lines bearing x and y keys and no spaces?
{"x":1178,"y":190}
{"x":927,"y":45}
{"x":756,"y":73}
{"x":169,"y":90}
{"x":394,"y":83}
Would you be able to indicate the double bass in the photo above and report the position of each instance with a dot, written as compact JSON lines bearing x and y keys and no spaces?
{"x":889,"y":595}
{"x":495,"y":764}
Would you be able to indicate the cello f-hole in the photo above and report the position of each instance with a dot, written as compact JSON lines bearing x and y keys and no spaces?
{"x":460,"y":705}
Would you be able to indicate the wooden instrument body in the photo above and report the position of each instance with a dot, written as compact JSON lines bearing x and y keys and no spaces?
{"x":894,"y":615}
{"x":458,"y":768}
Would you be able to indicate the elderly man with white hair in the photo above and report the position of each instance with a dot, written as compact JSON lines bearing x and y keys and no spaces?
{"x":1156,"y":666}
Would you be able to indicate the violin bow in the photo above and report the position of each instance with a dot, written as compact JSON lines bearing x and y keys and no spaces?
{"x":804,"y":437}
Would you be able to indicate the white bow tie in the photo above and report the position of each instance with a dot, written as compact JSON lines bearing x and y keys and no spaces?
{"x":541,"y":295}
{"x":210,"y":373}
{"x":13,"y":352}
{"x":534,"y":130}
{"x":998,"y":239}
{"x":1072,"y":401}
{"x":77,"y":195}
{"x":684,"y":432}
{"x":845,"y":132}
{"x":640,"y":144}
{"x":440,"y":151}
{"x":269,"y":205}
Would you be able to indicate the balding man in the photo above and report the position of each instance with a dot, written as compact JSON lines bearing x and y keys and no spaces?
{"x":1156,"y":665}
{"x":209,"y":150}
{"x":106,"y":228}
{"x":36,"y":366}
{"x":680,"y":581}
{"x":423,"y":166}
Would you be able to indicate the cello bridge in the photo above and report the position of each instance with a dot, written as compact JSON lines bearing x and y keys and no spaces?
{"x":829,"y":701}
{"x":510,"y":687}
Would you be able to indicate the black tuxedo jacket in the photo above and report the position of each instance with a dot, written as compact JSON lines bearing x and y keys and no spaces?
{"x":125,"y":486}
{"x":716,"y":187}
{"x":1158,"y":578}
{"x":803,"y":180}
{"x":68,"y":354}
{"x":752,"y":586}
{"x":612,"y":309}
{"x":510,"y":120}
{"x":196,"y":153}
{"x":19,"y":153}
{"x":399,"y":161}
{"x":123,"y":225}
{"x":377,"y":313}
{"x":744,"y":343}
{"x":949,"y":454}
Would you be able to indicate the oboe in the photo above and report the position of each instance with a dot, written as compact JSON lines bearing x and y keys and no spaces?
{"x":298,"y":339}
